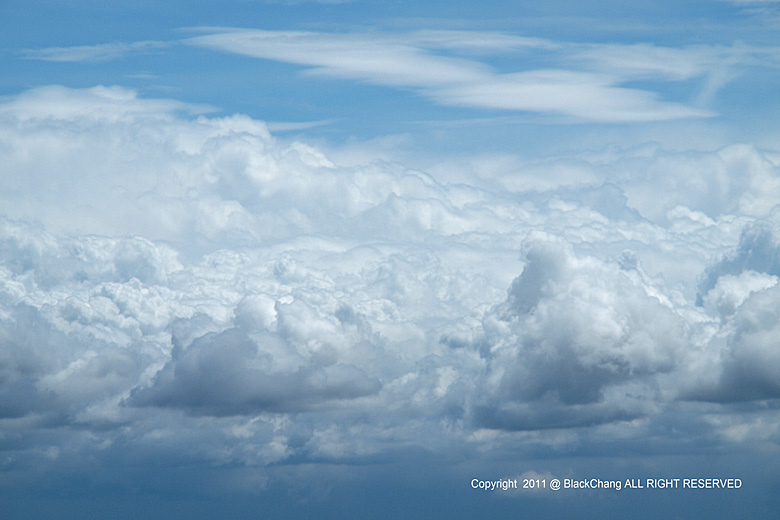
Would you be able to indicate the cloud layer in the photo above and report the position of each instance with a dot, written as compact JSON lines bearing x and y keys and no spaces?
{"x":190,"y":287}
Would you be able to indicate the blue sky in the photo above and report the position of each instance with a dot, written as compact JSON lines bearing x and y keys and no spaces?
{"x":697,"y":63}
{"x":339,"y":259}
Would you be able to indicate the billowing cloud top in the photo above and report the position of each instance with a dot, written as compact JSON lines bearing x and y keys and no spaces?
{"x":190,"y":287}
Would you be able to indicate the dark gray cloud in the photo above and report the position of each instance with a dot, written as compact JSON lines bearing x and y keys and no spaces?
{"x":230,"y":373}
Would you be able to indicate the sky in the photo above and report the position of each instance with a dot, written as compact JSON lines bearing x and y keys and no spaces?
{"x":349,"y":259}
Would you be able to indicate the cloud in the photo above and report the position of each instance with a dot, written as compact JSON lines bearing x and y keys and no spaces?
{"x":571,"y":331}
{"x":229,"y":373}
{"x":94,"y":53}
{"x":184,"y":287}
{"x":99,"y":104}
{"x":739,"y":362}
{"x":584,"y":96}
{"x":741,"y":288}
{"x":410,"y":62}
{"x":758,"y":251}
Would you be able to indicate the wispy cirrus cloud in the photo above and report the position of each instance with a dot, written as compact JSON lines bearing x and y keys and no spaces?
{"x":765,"y":10}
{"x":94,"y":53}
{"x":574,"y":81}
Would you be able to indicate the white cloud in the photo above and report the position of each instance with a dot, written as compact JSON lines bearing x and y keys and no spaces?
{"x":571,"y":330}
{"x":741,"y":359}
{"x":94,"y":53}
{"x":758,"y":251}
{"x":192,"y":287}
{"x":590,"y":97}
{"x":409,"y":61}
{"x":730,"y":291}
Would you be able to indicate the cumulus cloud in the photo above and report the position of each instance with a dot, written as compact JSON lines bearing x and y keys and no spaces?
{"x":282,"y":355}
{"x":571,"y":331}
{"x":741,"y":289}
{"x":205,"y":180}
{"x":758,"y":252}
{"x":229,"y":373}
{"x":183,"y":285}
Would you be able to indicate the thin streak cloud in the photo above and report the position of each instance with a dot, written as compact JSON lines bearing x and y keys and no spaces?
{"x":94,"y":53}
{"x":410,"y":62}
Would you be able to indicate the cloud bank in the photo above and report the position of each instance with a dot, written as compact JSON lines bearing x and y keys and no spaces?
{"x":190,"y":287}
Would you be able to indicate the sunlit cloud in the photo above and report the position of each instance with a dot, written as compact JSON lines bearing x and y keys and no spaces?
{"x":411,"y":61}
